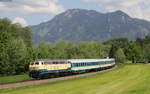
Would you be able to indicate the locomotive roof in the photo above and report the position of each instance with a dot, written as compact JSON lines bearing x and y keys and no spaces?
{"x":75,"y":60}
{"x":50,"y":60}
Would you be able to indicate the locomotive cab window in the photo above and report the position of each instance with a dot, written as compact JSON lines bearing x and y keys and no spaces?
{"x":36,"y":63}
{"x":32,"y":63}
{"x":42,"y":63}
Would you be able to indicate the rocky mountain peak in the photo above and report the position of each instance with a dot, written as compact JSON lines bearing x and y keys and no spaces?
{"x":77,"y":25}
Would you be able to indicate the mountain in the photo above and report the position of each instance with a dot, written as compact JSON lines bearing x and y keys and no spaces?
{"x":77,"y":25}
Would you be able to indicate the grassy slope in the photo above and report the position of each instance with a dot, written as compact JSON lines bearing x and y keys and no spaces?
{"x":129,"y":79}
{"x":15,"y":78}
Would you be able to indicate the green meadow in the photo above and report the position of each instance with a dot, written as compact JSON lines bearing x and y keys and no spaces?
{"x":16,"y":78}
{"x":126,"y":79}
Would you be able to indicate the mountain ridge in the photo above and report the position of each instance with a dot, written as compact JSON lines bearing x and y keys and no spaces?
{"x":77,"y":25}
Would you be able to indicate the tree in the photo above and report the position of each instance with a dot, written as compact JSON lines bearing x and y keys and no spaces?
{"x":134,"y":53}
{"x":147,"y":53}
{"x":44,"y":50}
{"x":144,"y":45}
{"x":112,"y":51}
{"x":15,"y":44}
{"x":60,"y":49}
{"x":4,"y":43}
{"x":119,"y":42}
{"x":120,"y":56}
{"x":17,"y":54}
{"x":116,"y":44}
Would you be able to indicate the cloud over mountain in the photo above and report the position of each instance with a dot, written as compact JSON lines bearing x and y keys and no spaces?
{"x":135,"y":8}
{"x":21,"y":21}
{"x":32,"y":6}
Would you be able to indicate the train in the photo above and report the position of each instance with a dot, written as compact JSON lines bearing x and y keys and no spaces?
{"x":45,"y":68}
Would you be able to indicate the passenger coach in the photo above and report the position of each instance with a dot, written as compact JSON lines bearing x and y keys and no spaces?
{"x":47,"y":67}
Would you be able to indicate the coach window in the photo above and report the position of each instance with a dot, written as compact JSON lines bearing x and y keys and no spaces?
{"x":79,"y":64}
{"x":72,"y":65}
{"x":94,"y":63}
{"x":76,"y":65}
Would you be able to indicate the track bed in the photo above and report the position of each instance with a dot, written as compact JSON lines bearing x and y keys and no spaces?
{"x":37,"y":82}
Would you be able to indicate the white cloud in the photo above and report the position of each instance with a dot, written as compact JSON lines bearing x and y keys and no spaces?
{"x":32,"y":6}
{"x":135,"y":8}
{"x":2,"y":5}
{"x":21,"y":21}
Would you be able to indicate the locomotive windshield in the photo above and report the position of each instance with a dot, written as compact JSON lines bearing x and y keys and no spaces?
{"x":34,"y":63}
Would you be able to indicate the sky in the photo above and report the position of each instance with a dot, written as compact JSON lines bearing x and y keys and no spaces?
{"x":32,"y":12}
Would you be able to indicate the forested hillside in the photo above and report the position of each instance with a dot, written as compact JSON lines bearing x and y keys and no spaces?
{"x":16,"y":51}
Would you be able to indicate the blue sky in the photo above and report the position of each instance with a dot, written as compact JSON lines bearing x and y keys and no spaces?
{"x":31,"y":12}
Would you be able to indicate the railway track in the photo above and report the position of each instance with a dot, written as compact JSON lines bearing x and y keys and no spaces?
{"x":37,"y":82}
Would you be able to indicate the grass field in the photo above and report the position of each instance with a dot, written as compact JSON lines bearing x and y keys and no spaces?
{"x":127,"y":79}
{"x":16,"y":78}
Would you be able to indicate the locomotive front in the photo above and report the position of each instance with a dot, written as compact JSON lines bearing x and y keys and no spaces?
{"x":47,"y":67}
{"x":35,"y":68}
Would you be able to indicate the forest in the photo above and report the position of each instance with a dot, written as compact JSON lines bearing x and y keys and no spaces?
{"x":17,"y":49}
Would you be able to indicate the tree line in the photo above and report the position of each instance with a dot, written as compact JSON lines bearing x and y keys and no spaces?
{"x":17,"y":51}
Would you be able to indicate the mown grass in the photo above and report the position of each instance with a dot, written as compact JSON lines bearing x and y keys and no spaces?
{"x":16,"y":78}
{"x":127,"y":79}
